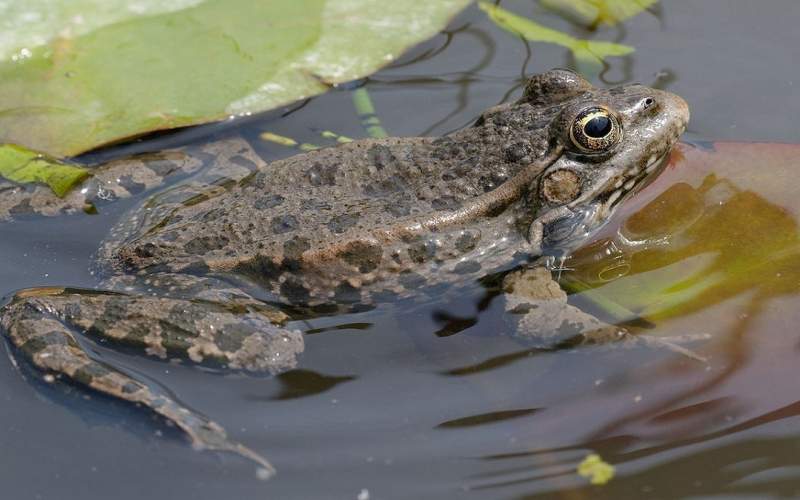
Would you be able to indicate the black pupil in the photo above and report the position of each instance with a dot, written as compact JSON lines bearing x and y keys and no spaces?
{"x":598,"y":127}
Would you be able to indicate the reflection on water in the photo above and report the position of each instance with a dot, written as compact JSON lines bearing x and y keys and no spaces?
{"x":693,"y":248}
{"x":687,"y":475}
{"x":706,"y":247}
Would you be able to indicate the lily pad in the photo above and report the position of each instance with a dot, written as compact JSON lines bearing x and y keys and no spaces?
{"x":81,"y":74}
{"x":589,"y":54}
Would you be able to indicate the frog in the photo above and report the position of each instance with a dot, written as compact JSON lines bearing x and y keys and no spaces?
{"x":216,"y":269}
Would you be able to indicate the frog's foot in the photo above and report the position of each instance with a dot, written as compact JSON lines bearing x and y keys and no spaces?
{"x":540,"y":310}
{"x":674,"y":344}
{"x":43,"y":323}
{"x":539,"y":307}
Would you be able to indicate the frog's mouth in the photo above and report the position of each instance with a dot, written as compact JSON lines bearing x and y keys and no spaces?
{"x":633,"y":180}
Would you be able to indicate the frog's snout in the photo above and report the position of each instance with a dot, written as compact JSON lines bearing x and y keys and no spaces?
{"x":678,"y":110}
{"x":683,"y":109}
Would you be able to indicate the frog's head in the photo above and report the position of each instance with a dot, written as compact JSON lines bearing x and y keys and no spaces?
{"x":605,"y":143}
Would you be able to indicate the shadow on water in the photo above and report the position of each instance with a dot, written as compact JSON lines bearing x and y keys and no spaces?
{"x":304,"y":383}
{"x":487,"y":418}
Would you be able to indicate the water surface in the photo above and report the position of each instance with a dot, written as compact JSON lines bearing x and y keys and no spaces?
{"x":405,"y":402}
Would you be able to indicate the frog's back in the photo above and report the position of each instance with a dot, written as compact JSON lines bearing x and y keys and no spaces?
{"x":329,"y":197}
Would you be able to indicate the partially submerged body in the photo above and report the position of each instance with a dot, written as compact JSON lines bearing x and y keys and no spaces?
{"x":200,"y":271}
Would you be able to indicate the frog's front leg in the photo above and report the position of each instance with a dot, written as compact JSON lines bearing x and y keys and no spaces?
{"x":46,"y":325}
{"x":538,"y":307}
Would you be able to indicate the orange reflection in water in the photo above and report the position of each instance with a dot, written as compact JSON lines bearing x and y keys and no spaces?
{"x":711,"y":246}
{"x":709,"y":229}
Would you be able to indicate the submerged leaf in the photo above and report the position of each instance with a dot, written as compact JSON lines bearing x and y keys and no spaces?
{"x":278,"y":139}
{"x":589,"y":54}
{"x":291,"y":143}
{"x":22,"y":165}
{"x":341,"y":139}
{"x":366,"y":113}
{"x":592,"y":13}
{"x":67,"y":87}
{"x":718,"y":224}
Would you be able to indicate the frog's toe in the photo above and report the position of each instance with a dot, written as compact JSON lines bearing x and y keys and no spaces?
{"x":673,"y":343}
{"x":204,"y":434}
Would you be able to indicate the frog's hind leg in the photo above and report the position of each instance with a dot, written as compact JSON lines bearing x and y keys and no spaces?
{"x":43,"y":323}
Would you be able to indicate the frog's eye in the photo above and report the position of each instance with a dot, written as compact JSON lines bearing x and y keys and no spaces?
{"x":595,"y":130}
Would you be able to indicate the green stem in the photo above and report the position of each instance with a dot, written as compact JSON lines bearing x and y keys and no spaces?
{"x":366,"y":113}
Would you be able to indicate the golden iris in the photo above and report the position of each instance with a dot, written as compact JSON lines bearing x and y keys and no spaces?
{"x":595,"y":130}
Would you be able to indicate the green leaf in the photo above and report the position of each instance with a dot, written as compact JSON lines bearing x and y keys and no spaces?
{"x":597,"y":470}
{"x":22,"y":165}
{"x":593,"y":13}
{"x":589,"y":54}
{"x":76,"y":75}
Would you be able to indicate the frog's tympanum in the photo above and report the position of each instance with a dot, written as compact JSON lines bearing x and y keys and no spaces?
{"x":202,"y":271}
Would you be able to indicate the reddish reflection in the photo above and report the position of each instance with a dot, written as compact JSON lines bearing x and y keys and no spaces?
{"x":711,"y":246}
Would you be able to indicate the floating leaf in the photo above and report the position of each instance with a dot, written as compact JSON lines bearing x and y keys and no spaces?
{"x":597,"y":470}
{"x":30,"y":23}
{"x":21,"y":165}
{"x":97,"y":71}
{"x":717,"y":224}
{"x":589,"y":54}
{"x":593,"y":13}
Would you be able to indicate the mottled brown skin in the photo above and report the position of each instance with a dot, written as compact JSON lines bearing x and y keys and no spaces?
{"x":190,"y":272}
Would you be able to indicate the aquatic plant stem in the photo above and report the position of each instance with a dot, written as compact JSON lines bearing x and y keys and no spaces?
{"x":366,"y":113}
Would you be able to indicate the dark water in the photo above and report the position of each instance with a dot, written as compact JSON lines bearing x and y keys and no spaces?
{"x":386,"y":401}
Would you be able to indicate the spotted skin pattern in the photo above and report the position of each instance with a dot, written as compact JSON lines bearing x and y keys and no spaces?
{"x":210,"y":269}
